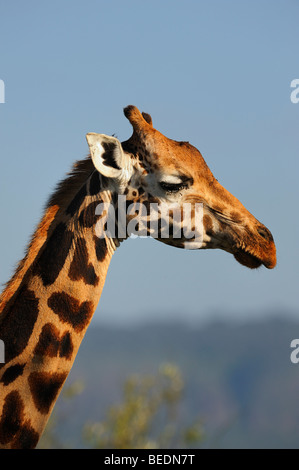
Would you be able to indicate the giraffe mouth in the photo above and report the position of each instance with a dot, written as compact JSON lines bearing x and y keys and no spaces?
{"x":255,"y":256}
{"x":248,"y":259}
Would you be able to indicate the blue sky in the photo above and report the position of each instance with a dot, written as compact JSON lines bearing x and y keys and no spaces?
{"x":215,"y":73}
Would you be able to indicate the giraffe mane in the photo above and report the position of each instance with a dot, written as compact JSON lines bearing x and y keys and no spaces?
{"x":71,"y":184}
{"x":61,"y":197}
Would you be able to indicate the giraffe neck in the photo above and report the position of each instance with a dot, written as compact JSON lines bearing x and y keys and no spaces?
{"x":44,"y":321}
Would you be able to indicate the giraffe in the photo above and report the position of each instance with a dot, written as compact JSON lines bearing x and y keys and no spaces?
{"x":48,"y":304}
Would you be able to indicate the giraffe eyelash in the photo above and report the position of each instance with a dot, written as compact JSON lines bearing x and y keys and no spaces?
{"x":172,"y":187}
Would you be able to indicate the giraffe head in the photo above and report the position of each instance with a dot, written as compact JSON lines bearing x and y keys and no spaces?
{"x":151,"y":171}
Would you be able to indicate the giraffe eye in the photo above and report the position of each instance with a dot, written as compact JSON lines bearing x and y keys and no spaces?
{"x":173,"y":187}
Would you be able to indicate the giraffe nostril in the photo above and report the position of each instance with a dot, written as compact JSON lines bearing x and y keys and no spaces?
{"x":265,"y":233}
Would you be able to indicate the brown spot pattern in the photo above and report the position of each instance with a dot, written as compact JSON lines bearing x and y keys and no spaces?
{"x":88,"y":217}
{"x":45,"y":387}
{"x":101,"y":248}
{"x":18,"y":324}
{"x":70,"y":310}
{"x":27,"y":438}
{"x":80,"y":269}
{"x":66,"y":346}
{"x":53,"y":257}
{"x":12,"y":417}
{"x":50,"y":344}
{"x":13,"y":429}
{"x":12,"y":373}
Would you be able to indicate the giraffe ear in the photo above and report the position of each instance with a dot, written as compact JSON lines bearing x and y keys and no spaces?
{"x":107,"y":155}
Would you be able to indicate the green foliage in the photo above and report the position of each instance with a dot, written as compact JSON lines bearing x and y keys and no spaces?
{"x":148,"y":416}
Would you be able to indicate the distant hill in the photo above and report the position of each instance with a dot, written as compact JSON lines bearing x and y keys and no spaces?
{"x":238,"y":379}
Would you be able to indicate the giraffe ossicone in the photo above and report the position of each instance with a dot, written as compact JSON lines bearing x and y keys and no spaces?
{"x":48,"y":304}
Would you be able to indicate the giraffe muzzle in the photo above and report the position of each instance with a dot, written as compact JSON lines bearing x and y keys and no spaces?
{"x":263,"y":253}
